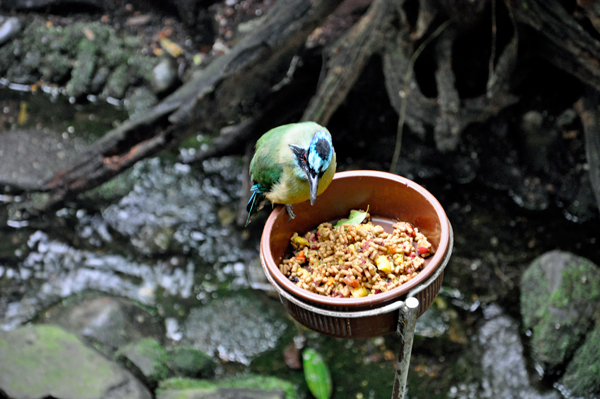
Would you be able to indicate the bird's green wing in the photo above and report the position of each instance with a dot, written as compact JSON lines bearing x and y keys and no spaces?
{"x":265,"y":168}
{"x":264,"y":172}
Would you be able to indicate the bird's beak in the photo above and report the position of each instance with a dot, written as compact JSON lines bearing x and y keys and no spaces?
{"x":313,"y":185}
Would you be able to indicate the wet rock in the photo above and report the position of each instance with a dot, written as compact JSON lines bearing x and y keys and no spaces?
{"x":109,"y":322}
{"x":28,"y":157}
{"x":582,"y":376}
{"x":236,"y":328}
{"x":244,"y":386}
{"x":53,"y":270}
{"x":501,"y":370}
{"x":164,"y":75}
{"x":148,"y":357}
{"x":9,"y":27}
{"x":161,"y":195}
{"x":40,"y":361}
{"x":175,"y":208}
{"x":560,"y":294}
{"x":187,"y":361}
{"x":502,"y":360}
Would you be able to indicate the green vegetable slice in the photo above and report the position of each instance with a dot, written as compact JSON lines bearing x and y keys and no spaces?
{"x":356,"y":217}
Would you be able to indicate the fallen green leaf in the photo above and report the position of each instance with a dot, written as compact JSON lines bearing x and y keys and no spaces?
{"x":356,"y":217}
{"x":316,"y":374}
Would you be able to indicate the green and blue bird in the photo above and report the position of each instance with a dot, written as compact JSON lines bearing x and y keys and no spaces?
{"x":292,"y":164}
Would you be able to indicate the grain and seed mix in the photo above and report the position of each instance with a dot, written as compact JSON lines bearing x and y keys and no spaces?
{"x":356,"y":260}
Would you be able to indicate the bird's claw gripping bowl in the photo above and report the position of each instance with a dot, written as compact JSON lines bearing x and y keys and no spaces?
{"x":389,"y":198}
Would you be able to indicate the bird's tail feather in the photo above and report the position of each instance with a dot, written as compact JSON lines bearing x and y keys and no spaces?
{"x":255,"y":202}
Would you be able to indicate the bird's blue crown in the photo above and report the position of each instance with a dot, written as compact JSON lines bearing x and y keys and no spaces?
{"x":320,"y":152}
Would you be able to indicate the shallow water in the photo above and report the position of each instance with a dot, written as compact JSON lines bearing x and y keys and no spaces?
{"x":163,"y":235}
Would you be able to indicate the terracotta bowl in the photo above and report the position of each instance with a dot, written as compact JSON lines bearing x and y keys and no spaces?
{"x":389,"y":198}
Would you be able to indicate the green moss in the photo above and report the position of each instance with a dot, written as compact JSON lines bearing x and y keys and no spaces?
{"x":180,"y":383}
{"x":117,"y":83}
{"x":533,"y":294}
{"x":188,"y":361}
{"x":27,"y":352}
{"x":83,"y":72}
{"x":560,"y":293}
{"x":579,"y":284}
{"x":249,"y":381}
{"x":53,"y":53}
{"x":582,"y":376}
{"x":149,"y":356}
{"x":260,"y":382}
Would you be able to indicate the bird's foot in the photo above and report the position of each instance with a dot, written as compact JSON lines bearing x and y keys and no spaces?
{"x":290,"y":212}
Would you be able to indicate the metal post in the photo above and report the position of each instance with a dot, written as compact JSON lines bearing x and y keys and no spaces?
{"x":406,"y":329}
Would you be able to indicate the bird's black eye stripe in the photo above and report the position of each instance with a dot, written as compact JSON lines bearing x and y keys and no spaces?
{"x":323,"y":148}
{"x":301,"y":155}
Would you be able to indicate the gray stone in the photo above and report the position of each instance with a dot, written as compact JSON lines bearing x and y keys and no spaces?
{"x":40,"y":361}
{"x":110,"y":322}
{"x":28,"y":157}
{"x":236,"y":328}
{"x":9,"y":27}
{"x":164,"y":75}
{"x":560,"y":295}
{"x":503,"y":362}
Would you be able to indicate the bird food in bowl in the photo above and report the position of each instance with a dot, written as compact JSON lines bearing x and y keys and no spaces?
{"x":355,"y":257}
{"x":391,"y":200}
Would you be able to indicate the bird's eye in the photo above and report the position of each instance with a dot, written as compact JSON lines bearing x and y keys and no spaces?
{"x":304,"y":158}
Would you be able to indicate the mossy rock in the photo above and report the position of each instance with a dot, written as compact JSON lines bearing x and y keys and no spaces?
{"x":187,"y":361}
{"x":582,"y":376}
{"x":148,"y":358}
{"x":188,"y":388}
{"x":560,"y":297}
{"x":40,"y":361}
